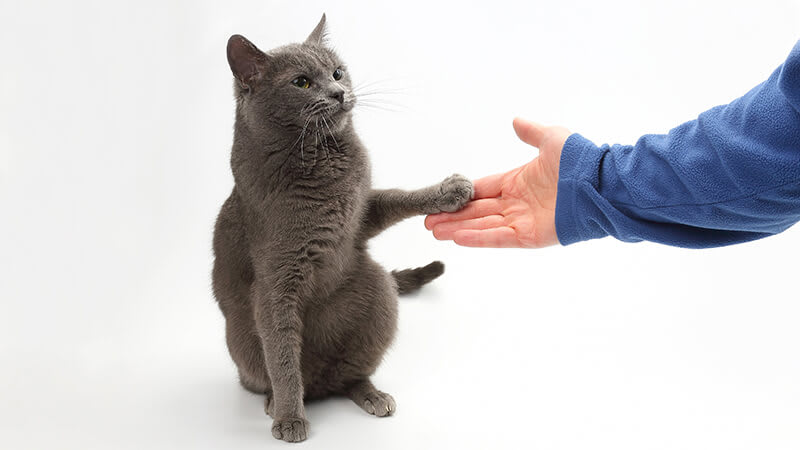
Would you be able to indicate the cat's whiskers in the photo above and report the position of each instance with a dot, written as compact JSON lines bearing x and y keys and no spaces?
{"x":312,"y":110}
{"x":377,"y":84}
{"x":338,"y":149}
{"x":323,"y":140}
{"x":311,"y":105}
{"x":380,"y":106}
{"x":374,"y":98}
{"x":364,"y":93}
{"x":301,"y":134}
{"x":316,"y":147}
{"x":317,"y":108}
{"x":302,"y":145}
{"x":368,"y":91}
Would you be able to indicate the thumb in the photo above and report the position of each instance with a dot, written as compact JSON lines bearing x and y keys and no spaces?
{"x":529,"y":132}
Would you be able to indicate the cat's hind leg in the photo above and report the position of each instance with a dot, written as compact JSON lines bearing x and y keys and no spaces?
{"x":365,"y":395}
{"x":232,"y":276}
{"x":245,"y":348}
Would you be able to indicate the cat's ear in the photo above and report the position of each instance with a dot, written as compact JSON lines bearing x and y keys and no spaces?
{"x":246,"y":60}
{"x":318,"y":35}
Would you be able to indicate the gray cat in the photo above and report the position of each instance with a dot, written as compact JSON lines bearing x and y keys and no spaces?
{"x":308,"y":313}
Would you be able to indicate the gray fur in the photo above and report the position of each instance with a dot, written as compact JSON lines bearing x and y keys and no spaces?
{"x":308,"y":313}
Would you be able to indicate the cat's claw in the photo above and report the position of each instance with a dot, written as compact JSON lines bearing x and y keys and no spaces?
{"x":454,"y":192}
{"x":269,"y":405}
{"x":290,"y":429}
{"x":379,"y":404}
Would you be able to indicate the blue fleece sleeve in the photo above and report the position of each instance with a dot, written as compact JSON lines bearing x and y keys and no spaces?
{"x":732,"y":175}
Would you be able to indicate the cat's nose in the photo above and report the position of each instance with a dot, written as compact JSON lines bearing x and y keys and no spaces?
{"x":338,"y":94}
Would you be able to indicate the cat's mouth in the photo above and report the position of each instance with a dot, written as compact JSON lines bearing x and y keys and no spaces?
{"x":341,"y":107}
{"x":337,"y":109}
{"x":331,"y":114}
{"x":348,"y":104}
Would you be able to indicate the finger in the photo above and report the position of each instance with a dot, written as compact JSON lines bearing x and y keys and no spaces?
{"x":529,"y":132}
{"x":501,"y":237}
{"x":474,"y":209}
{"x":445,"y":230}
{"x":488,"y":187}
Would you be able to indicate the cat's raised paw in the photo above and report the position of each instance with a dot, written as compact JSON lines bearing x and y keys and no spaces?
{"x":379,"y":404}
{"x":454,"y":192}
{"x":290,"y":429}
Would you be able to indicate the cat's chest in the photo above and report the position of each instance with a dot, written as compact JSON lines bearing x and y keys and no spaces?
{"x":317,"y":209}
{"x":321,"y":204}
{"x":317,"y":228}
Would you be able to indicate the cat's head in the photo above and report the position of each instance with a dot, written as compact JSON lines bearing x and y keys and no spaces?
{"x":293,"y":85}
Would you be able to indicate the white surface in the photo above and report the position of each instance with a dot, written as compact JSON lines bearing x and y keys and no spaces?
{"x":115,"y":129}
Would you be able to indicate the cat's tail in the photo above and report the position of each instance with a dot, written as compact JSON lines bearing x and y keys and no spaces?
{"x":410,"y":280}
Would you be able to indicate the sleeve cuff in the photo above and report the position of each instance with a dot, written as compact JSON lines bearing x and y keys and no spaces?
{"x":578,"y":175}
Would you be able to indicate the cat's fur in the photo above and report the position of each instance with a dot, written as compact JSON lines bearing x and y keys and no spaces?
{"x":308,"y":313}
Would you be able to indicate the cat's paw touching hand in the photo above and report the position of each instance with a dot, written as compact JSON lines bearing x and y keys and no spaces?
{"x":454,"y":192}
{"x":290,"y":429}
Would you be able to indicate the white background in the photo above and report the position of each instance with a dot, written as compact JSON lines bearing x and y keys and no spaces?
{"x":115,"y":131}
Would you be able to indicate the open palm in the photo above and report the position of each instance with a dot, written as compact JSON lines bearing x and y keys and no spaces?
{"x":512,"y":209}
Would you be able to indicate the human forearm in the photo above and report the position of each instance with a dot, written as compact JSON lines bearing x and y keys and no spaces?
{"x":730,"y":176}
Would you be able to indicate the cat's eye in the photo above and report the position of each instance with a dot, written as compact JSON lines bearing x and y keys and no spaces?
{"x":338,"y":74}
{"x":301,"y":82}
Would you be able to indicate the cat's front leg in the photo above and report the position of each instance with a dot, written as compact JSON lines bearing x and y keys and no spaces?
{"x":385,"y":207}
{"x":278,"y":314}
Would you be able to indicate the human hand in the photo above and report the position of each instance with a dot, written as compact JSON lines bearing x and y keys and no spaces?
{"x":512,"y":209}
